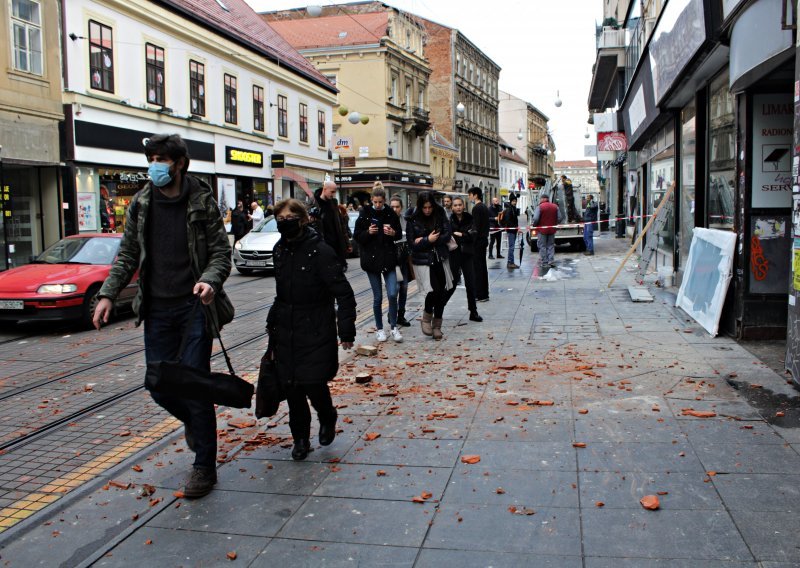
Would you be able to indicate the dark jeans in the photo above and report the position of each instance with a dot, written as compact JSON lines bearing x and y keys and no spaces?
{"x":481,"y":272}
{"x":390,"y":278}
{"x":163,"y":329}
{"x":588,"y":236}
{"x":512,"y":245}
{"x":495,"y":238}
{"x":300,"y":413}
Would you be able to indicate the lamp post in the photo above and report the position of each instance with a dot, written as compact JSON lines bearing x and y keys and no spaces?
{"x":5,"y":204}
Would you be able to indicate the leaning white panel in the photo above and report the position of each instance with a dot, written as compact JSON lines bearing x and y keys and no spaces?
{"x":707,"y":276}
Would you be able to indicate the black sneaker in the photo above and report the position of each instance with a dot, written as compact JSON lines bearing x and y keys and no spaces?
{"x":402,"y":321}
{"x":201,"y":482}
{"x":475,"y":316}
{"x":301,"y":449}
{"x":500,"y":256}
{"x":491,"y":257}
{"x":482,"y":299}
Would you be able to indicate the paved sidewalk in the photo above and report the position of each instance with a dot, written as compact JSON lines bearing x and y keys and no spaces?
{"x":527,"y":440}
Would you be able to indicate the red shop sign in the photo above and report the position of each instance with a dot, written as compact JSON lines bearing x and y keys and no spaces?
{"x":611,"y":142}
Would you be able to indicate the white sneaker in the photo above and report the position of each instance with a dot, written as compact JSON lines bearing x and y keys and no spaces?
{"x":396,"y":335}
{"x":380,"y":335}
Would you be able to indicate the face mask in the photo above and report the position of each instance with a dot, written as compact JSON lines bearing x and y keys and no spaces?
{"x":159,"y":174}
{"x":289,"y":228}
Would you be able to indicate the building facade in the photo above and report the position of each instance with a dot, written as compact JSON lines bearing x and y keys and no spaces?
{"x":444,"y":157}
{"x":704,"y":98}
{"x":31,"y":216}
{"x":526,"y":128}
{"x":513,"y":175}
{"x":255,"y":114}
{"x":380,"y":129}
{"x":583,"y":174}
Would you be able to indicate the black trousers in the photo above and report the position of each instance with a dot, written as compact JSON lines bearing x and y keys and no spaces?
{"x":300,"y":414}
{"x":481,"y":272}
{"x":496,"y":237}
{"x":436,"y":301}
{"x":462,"y":265}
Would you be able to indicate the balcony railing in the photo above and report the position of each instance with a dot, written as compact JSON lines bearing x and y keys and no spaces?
{"x":610,"y":38}
{"x":421,"y":114}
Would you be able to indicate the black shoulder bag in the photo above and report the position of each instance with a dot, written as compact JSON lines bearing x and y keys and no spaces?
{"x":176,"y":379}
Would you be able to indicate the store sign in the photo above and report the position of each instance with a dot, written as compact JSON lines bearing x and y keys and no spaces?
{"x":611,"y":142}
{"x":605,"y":121}
{"x":343,"y":145}
{"x":244,"y":157}
{"x":773,"y":127}
{"x":277,"y":161}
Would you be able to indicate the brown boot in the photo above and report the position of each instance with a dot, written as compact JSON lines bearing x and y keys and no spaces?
{"x":437,"y":329}
{"x":426,"y":323}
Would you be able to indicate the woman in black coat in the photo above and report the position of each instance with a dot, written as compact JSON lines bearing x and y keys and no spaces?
{"x":302,"y":323}
{"x":428,"y":232}
{"x":461,"y":258}
{"x":377,"y":230}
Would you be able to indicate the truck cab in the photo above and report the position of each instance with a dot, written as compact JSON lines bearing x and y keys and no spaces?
{"x":568,"y":199}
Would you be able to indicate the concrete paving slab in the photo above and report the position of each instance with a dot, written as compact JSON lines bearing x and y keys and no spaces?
{"x":392,"y":483}
{"x":770,"y":535}
{"x":624,"y":489}
{"x":436,"y":558}
{"x":557,"y":456}
{"x":759,"y":492}
{"x":272,"y":476}
{"x":748,"y":458}
{"x":639,"y":457}
{"x":524,"y":488}
{"x":318,"y":554}
{"x":388,"y":451}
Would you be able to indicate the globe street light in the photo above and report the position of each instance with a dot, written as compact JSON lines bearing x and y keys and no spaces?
{"x":520,"y":136}
{"x":314,"y":10}
{"x":558,"y":100}
{"x":460,"y":109}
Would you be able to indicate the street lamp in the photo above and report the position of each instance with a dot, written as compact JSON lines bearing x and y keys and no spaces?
{"x":315,"y":10}
{"x":520,"y":135}
{"x":460,"y":109}
{"x":586,"y":135}
{"x":558,"y":100}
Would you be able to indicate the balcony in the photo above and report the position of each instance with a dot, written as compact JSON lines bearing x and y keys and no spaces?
{"x":418,"y":121}
{"x":610,"y":60}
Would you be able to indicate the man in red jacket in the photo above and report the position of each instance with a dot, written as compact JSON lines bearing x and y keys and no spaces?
{"x":547,"y":216}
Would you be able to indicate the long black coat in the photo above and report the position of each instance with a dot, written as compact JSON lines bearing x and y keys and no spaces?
{"x":426,"y":253}
{"x":378,"y":252}
{"x":467,"y":230}
{"x":302,"y":323}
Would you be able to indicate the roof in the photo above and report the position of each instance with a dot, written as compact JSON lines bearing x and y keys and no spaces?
{"x":241,"y":24}
{"x":333,"y":31}
{"x":575,"y":164}
{"x":437,"y":139}
{"x":511,"y":156}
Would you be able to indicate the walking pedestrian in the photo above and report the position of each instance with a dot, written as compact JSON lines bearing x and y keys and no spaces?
{"x":496,"y":238}
{"x":403,"y":258}
{"x":238,"y":222}
{"x":447,"y":203}
{"x":428,"y":232}
{"x":302,"y":323}
{"x":256,"y":214}
{"x":480,"y":220}
{"x":589,"y":219}
{"x":175,"y":224}
{"x":377,"y":229}
{"x":547,"y":215}
{"x":511,"y":224}
{"x":462,"y":258}
{"x":329,"y":223}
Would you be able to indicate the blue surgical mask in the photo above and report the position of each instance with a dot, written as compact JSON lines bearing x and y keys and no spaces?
{"x":159,"y":174}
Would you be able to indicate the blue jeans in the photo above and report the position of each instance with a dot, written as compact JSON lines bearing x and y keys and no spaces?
{"x":512,"y":240}
{"x":588,"y":236}
{"x":377,"y":297}
{"x":163,"y":329}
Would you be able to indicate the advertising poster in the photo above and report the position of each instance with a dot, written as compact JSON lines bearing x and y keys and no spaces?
{"x":773,"y":128}
{"x":796,"y":269}
{"x":87,"y":212}
{"x":226,"y":199}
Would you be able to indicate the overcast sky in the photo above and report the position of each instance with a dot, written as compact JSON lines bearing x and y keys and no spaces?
{"x":542,"y":46}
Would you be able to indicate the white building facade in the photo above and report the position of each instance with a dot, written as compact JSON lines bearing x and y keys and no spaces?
{"x":256,"y":129}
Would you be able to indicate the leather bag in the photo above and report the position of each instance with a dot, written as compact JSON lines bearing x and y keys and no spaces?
{"x":270,"y":392}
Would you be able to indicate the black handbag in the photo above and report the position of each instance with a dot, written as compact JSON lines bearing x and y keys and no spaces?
{"x":176,"y":379}
{"x":270,"y":392}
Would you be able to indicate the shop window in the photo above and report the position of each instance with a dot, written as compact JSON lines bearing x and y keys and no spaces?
{"x":197,"y":88}
{"x":283,"y":116}
{"x":721,"y":158}
{"x":321,"y":134}
{"x":303,"y":122}
{"x":154,"y":73}
{"x":258,"y":108}
{"x":687,"y":188}
{"x":101,"y":57}
{"x":26,"y":29}
{"x":231,"y":115}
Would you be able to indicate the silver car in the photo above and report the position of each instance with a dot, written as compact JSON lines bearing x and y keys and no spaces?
{"x":254,"y":251}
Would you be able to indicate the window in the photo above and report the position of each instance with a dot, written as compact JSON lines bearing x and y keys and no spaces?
{"x":101,"y":57}
{"x":321,"y":135}
{"x":258,"y":108}
{"x":393,"y":96}
{"x":231,"y":115}
{"x":283,"y":118}
{"x":197,"y":88}
{"x":331,"y":79}
{"x":26,"y":29}
{"x":408,"y":96}
{"x":303,"y":122}
{"x":421,"y":98}
{"x":154,"y":71}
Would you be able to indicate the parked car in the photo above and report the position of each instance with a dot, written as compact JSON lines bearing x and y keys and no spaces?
{"x":351,"y":223}
{"x":61,"y":284}
{"x":254,"y":251}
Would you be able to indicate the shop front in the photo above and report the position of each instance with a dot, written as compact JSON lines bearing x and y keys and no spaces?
{"x":355,"y":188}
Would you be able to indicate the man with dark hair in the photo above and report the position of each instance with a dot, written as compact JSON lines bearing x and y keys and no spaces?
{"x":238,"y":222}
{"x":329,"y":223}
{"x":511,"y":224}
{"x":480,"y":220}
{"x":589,"y":219}
{"x":174,"y":236}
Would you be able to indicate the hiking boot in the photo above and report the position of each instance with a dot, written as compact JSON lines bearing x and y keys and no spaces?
{"x":201,"y":482}
{"x":301,"y":449}
{"x":327,"y":433}
{"x":427,"y":328}
{"x":437,"y":329}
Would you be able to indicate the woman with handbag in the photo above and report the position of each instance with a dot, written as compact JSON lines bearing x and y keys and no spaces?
{"x":302,"y":323}
{"x":377,"y":229}
{"x":428,"y":232}
{"x":461,"y":258}
{"x":403,"y":260}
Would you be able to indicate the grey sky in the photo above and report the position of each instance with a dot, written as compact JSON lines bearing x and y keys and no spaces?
{"x":542,"y":46}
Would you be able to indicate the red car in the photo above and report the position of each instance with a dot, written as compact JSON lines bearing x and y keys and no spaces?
{"x":62,"y":282}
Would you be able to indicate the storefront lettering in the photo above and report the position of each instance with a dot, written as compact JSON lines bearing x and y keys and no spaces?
{"x":133,"y":177}
{"x":773,"y":108}
{"x":240,"y":156}
{"x":777,"y":132}
{"x":780,"y":183}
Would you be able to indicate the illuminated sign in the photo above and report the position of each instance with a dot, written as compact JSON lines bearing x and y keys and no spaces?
{"x":278,"y":161}
{"x":245,"y":157}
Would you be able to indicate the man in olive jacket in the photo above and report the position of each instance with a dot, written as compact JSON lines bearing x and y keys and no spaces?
{"x":175,"y":237}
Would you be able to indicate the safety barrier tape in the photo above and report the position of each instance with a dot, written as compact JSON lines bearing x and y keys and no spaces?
{"x":569,"y":225}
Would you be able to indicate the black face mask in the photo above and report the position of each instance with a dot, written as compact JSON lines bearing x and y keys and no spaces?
{"x":289,"y":228}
